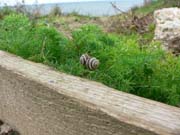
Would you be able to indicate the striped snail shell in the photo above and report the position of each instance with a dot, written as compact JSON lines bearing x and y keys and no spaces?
{"x":92,"y":63}
{"x":84,"y":58}
{"x":89,"y":62}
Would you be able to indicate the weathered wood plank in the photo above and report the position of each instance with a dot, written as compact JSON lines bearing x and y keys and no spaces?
{"x":38,"y":100}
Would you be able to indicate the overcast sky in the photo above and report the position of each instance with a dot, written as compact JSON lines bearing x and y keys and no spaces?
{"x":12,"y":2}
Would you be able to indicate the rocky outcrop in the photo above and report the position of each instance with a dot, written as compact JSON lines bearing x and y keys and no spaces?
{"x":168,"y":28}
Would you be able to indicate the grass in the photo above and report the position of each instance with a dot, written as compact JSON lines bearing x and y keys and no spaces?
{"x":124,"y":64}
{"x":150,"y":8}
{"x":156,"y":4}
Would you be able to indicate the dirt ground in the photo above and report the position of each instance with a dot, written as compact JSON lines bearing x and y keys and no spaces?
{"x":66,"y":24}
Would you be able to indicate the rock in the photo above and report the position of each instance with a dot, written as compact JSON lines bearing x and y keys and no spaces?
{"x":5,"y":129}
{"x":168,"y":28}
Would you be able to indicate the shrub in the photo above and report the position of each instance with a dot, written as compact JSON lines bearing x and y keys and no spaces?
{"x":127,"y":67}
{"x":90,"y":39}
{"x":56,"y":11}
{"x":37,"y":43}
{"x":5,"y":10}
{"x":15,"y":29}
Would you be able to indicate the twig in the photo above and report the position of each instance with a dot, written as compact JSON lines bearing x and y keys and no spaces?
{"x":43,"y":47}
{"x":117,"y":8}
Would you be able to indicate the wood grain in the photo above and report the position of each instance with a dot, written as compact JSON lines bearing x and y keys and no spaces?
{"x":38,"y":100}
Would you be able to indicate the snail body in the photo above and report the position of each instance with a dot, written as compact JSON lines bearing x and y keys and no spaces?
{"x":89,"y":62}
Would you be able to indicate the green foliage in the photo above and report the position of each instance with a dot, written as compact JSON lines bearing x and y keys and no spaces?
{"x":150,"y":7}
{"x":90,"y":39}
{"x":5,"y":10}
{"x":125,"y":65}
{"x":128,"y":67}
{"x":156,"y":4}
{"x":172,"y":3}
{"x":79,"y":16}
{"x":37,"y":43}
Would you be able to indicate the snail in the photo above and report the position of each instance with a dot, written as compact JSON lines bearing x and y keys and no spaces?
{"x":89,"y":62}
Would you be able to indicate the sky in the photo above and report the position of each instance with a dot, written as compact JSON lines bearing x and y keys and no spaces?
{"x":13,"y":2}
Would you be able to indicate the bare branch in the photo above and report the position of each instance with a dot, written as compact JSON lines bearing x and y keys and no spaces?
{"x":117,"y":8}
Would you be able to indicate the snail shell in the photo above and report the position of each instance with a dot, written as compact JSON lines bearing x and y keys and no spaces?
{"x":90,"y":63}
{"x":84,"y":58}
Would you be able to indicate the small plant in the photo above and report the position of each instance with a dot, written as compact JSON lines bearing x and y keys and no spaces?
{"x":56,"y":11}
{"x":5,"y":10}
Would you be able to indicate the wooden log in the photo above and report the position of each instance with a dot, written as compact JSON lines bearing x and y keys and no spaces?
{"x":37,"y":100}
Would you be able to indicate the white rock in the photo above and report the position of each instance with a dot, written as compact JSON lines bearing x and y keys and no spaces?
{"x":168,"y":28}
